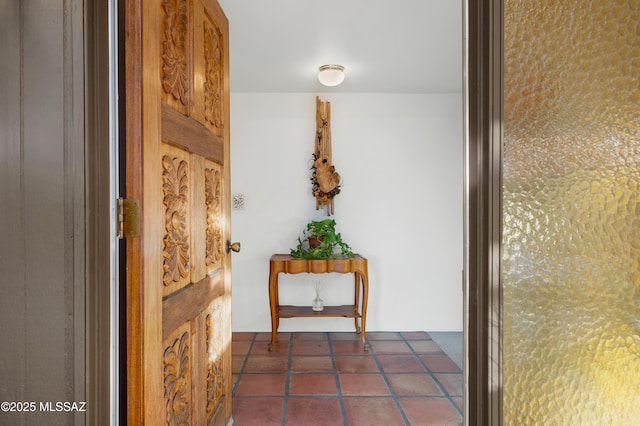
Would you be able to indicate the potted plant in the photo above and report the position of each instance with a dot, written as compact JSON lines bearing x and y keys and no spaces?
{"x":321,"y":241}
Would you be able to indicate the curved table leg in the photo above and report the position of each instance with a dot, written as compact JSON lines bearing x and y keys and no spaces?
{"x":273,"y":303}
{"x":365,"y":297}
{"x":356,"y":302}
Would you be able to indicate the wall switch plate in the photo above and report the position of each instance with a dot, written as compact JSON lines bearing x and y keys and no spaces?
{"x":238,"y":201}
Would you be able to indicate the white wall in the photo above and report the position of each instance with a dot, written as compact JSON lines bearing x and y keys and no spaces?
{"x":400,"y":157}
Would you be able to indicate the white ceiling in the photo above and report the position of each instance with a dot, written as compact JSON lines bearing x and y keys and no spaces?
{"x":386,"y":46}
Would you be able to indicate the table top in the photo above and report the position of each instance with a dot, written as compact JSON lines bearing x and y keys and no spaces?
{"x":290,"y":265}
{"x":288,"y":257}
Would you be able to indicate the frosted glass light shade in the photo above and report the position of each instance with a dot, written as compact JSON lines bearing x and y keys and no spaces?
{"x":331,"y":75}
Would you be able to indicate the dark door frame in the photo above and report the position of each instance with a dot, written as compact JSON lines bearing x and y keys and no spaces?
{"x":98,"y":272}
{"x":483,"y":213}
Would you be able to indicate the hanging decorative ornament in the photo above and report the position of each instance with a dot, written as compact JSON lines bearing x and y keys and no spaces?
{"x":325,"y":180}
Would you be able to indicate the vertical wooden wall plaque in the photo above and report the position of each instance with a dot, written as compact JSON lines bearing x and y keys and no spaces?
{"x":325,"y":180}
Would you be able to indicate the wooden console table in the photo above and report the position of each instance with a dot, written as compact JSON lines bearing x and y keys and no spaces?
{"x":286,"y":264}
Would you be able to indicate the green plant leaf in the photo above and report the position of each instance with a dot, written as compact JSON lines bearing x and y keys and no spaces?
{"x":330,"y":241}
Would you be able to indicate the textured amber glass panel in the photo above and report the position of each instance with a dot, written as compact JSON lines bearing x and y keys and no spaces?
{"x":571,"y":221}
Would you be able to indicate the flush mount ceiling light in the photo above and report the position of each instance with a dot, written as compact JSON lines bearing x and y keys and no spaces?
{"x":331,"y":75}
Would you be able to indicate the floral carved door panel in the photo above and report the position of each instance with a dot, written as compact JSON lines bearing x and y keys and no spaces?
{"x":178,"y":273}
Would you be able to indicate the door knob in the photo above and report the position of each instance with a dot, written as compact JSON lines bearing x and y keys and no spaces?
{"x":233,"y":246}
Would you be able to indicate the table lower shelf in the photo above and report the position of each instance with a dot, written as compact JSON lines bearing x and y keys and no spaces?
{"x":345,"y":311}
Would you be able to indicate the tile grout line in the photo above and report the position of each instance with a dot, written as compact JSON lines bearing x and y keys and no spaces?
{"x":244,"y":364}
{"x":442,"y":388}
{"x":287,"y":381}
{"x":392,"y":391}
{"x":336,"y":377}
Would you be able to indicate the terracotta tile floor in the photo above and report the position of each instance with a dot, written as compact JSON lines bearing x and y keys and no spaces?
{"x":315,"y":379}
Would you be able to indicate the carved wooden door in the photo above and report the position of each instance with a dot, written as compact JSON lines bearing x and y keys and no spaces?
{"x":177,"y":166}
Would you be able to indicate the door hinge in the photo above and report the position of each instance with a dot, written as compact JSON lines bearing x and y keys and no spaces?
{"x":128,"y":218}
